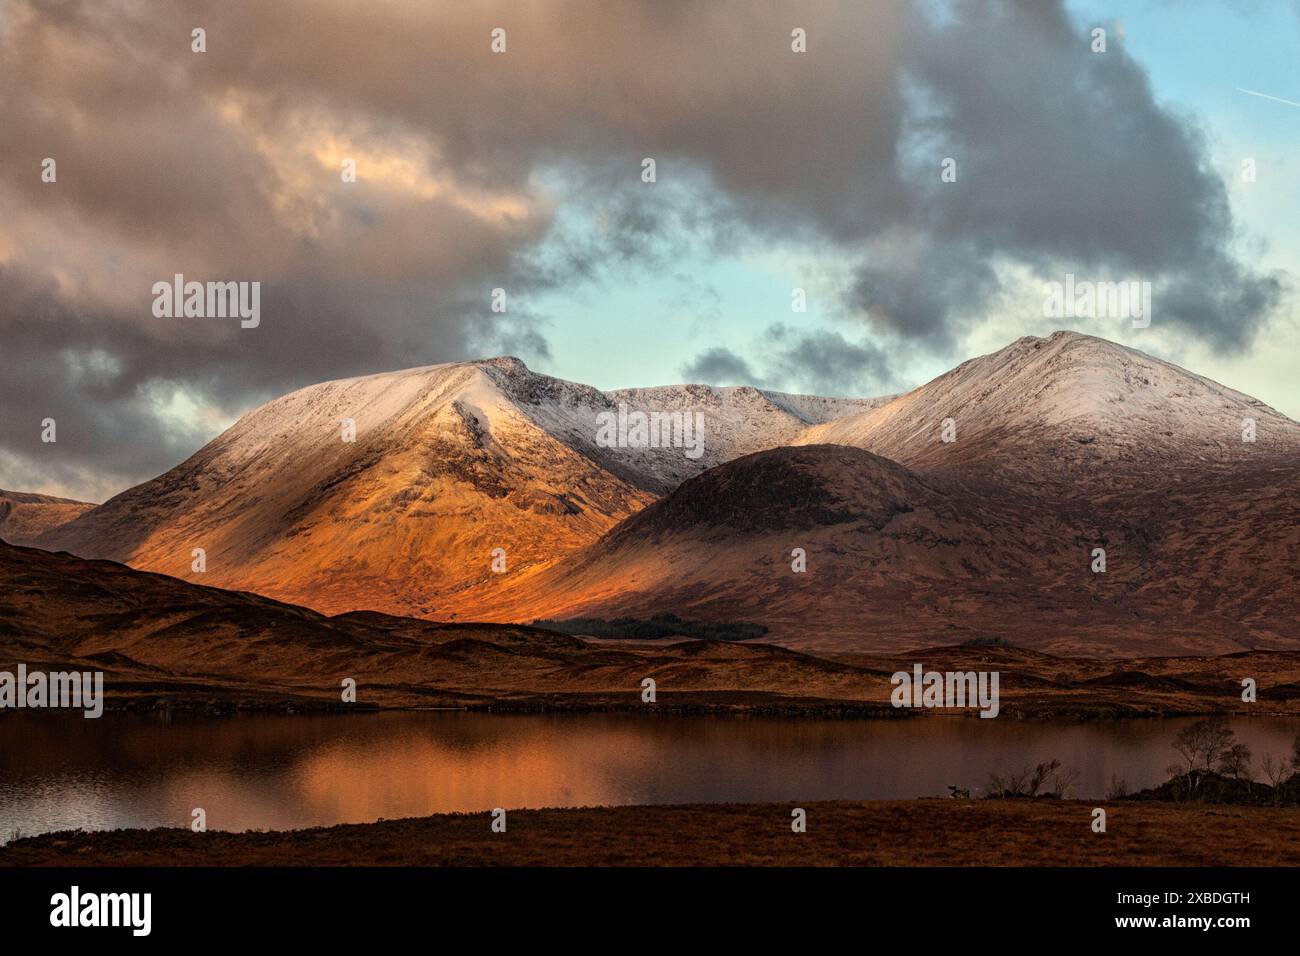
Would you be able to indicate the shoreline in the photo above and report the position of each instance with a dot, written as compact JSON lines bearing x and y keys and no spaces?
{"x":928,"y":832}
{"x":224,"y":704}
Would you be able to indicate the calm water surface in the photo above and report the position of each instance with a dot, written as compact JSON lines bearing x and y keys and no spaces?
{"x":59,"y":771}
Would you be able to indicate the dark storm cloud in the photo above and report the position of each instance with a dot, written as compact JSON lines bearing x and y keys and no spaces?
{"x":88,"y":372}
{"x":1065,"y":163}
{"x":818,"y":362}
{"x":709,"y":85}
{"x":926,"y":288}
{"x":721,"y":366}
{"x":218,"y":165}
{"x":826,"y":362}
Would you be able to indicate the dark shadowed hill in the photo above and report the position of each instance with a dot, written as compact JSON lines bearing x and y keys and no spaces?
{"x":896,"y":559}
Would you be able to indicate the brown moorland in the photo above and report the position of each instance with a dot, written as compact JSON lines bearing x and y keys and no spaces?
{"x":163,"y":642}
{"x":24,"y":517}
{"x":841,"y":833}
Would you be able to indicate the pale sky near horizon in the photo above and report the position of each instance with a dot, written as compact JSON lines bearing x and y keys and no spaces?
{"x":522,"y":170}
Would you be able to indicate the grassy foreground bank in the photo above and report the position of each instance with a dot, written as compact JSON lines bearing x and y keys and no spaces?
{"x":884,"y":833}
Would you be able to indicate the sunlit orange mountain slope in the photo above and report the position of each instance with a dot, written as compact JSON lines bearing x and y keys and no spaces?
{"x":449,"y":463}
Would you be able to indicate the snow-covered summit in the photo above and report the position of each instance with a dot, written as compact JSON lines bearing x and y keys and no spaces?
{"x":1063,"y":401}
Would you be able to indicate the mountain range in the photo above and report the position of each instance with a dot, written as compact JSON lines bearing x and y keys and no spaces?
{"x":449,"y":463}
{"x":970,"y":508}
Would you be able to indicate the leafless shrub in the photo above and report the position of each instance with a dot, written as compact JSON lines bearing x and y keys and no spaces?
{"x":1118,"y":788}
{"x":1030,"y":781}
{"x":1010,"y":784}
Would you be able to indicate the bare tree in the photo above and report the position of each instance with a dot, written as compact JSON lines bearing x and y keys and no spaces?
{"x":1203,"y":747}
{"x":1276,"y":772}
{"x":1235,"y":762}
{"x":1040,"y":775}
{"x":1063,"y":780}
{"x":1118,"y":788}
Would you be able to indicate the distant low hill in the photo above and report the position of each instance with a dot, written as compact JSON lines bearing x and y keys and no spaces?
{"x":25,"y":517}
{"x":160,"y":639}
{"x":162,"y":642}
{"x":657,"y":628}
